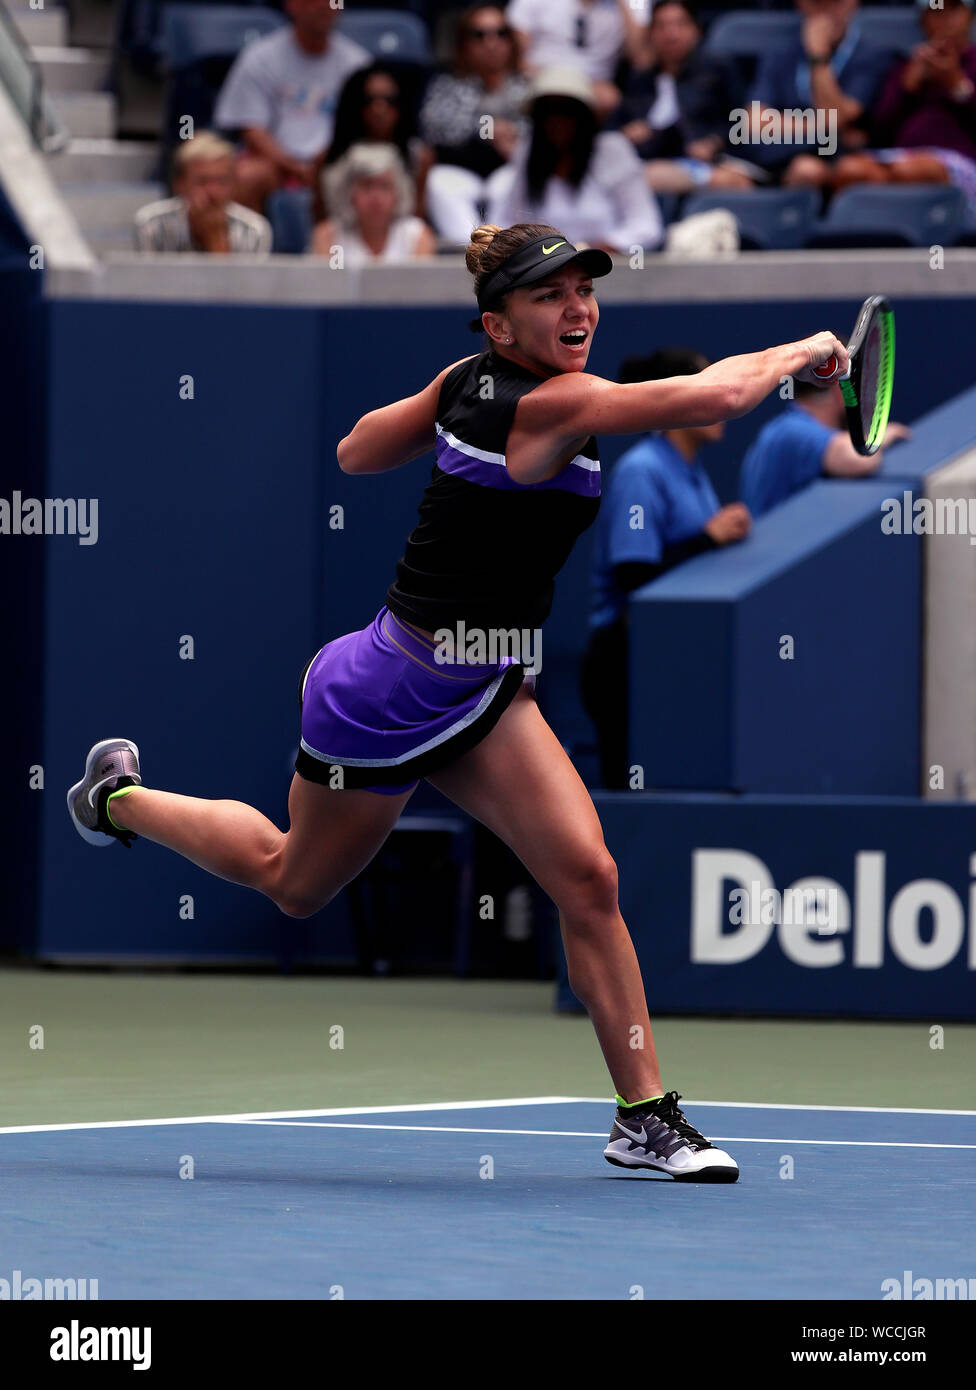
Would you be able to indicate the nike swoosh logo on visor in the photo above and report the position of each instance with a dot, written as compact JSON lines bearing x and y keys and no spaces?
{"x":548,"y":250}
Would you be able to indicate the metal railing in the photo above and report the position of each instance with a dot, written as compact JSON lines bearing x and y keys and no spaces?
{"x":21,"y":77}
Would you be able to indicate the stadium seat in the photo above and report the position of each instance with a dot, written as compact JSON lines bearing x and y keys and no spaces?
{"x":746,"y":34}
{"x":193,"y":33}
{"x":894,"y":27}
{"x":140,"y":29}
{"x":201,"y":43}
{"x":669,"y":204}
{"x":770,"y":219}
{"x":911,"y":214}
{"x":290,"y":213}
{"x":390,"y":35}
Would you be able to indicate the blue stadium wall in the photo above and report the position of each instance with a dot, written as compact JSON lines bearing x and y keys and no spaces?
{"x":218,"y":521}
{"x":22,"y":412}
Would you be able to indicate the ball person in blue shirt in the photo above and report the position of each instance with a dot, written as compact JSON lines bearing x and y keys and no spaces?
{"x":660,"y":509}
{"x":808,"y":440}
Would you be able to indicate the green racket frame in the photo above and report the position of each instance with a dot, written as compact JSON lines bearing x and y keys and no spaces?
{"x":876,"y":310}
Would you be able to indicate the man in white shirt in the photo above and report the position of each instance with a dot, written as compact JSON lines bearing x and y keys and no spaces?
{"x":281,"y":95}
{"x":201,"y":216}
{"x":588,"y":35}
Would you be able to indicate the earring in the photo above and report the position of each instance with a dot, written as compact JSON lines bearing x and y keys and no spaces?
{"x":508,"y":340}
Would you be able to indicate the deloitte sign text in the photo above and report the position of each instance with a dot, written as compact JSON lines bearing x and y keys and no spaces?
{"x":923,"y":928}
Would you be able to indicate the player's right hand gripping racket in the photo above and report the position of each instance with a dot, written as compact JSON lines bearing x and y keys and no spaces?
{"x":867,"y":385}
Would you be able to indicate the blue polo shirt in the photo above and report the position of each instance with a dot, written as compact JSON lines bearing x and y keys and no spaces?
{"x":654,"y":499}
{"x":786,"y":455}
{"x":783,"y":75}
{"x":783,"y":81}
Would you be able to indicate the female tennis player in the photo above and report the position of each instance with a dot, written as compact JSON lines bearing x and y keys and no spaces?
{"x":516,"y":480}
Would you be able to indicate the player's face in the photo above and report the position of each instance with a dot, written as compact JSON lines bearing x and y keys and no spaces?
{"x":553,"y":322}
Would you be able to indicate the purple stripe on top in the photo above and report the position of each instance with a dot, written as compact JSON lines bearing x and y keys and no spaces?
{"x":575,"y":477}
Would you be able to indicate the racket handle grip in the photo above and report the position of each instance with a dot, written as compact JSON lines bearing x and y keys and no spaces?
{"x":827,"y":369}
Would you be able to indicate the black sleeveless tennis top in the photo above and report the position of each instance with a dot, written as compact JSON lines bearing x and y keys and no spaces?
{"x":486,"y":549}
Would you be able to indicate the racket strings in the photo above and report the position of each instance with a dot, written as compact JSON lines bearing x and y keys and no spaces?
{"x":882,"y":380}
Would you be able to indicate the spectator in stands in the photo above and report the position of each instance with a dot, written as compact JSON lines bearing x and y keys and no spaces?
{"x":201,"y":216}
{"x":374,"y":109}
{"x":676,"y":112}
{"x":483,"y":83}
{"x":567,"y":174}
{"x":281,"y":95}
{"x":659,"y":510}
{"x":591,"y":36}
{"x":831,"y":70}
{"x":371,"y":197}
{"x":808,"y":440}
{"x":926,"y":114}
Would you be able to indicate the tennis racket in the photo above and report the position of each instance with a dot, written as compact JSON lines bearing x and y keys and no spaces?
{"x":868,"y":382}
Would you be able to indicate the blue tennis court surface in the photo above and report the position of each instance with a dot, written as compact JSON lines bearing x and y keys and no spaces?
{"x":393,"y":1204}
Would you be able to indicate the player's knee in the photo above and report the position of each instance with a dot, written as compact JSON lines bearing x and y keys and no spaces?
{"x":595,"y":881}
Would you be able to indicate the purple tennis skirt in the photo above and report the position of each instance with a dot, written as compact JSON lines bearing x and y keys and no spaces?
{"x":378,"y":705}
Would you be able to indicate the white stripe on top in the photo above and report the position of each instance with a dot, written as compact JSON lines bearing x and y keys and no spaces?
{"x":581,"y":461}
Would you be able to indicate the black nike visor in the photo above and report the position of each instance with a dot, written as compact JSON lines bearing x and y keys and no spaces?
{"x":534,"y":261}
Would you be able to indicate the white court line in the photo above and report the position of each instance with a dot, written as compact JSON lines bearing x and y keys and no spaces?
{"x":452,"y":1105}
{"x":591,"y":1134}
{"x":291,"y":1114}
{"x":783,"y":1105}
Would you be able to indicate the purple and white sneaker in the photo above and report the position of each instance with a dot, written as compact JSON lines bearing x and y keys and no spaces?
{"x":111,"y":764}
{"x":658,"y":1136}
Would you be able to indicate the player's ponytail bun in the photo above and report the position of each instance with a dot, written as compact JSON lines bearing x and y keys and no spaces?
{"x":481,"y":239}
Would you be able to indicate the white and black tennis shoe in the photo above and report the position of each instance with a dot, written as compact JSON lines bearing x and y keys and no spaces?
{"x":658,"y":1136}
{"x":111,"y":764}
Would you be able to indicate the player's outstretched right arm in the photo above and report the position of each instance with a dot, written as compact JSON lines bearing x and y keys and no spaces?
{"x":579,"y":404}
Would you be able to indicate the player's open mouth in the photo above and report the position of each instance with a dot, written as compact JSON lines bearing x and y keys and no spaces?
{"x":576,"y":337}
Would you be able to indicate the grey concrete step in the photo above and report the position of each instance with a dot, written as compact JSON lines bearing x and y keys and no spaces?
{"x":87,"y":115}
{"x":72,"y":69}
{"x":105,"y":239}
{"x":94,"y":22}
{"x":104,"y":205}
{"x":105,"y":161}
{"x":48,"y":26}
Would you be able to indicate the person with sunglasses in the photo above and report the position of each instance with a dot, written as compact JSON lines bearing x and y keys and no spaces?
{"x":373,"y":108}
{"x":471,"y":118}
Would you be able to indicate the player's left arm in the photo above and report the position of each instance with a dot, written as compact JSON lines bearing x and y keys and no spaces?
{"x":393,"y":434}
